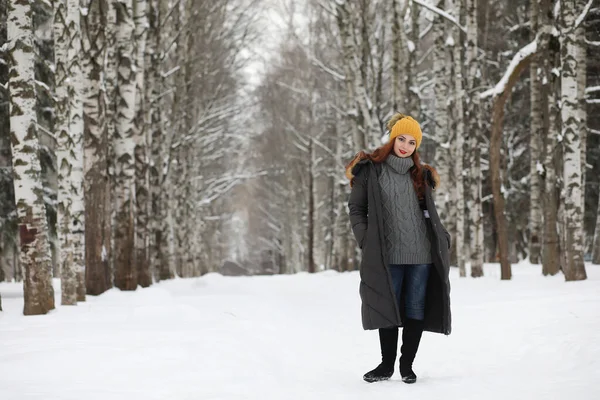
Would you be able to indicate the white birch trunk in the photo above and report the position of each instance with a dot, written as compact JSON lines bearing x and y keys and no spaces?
{"x":440,"y":72}
{"x":34,"y":256}
{"x":124,"y":146}
{"x":459,"y":168}
{"x":63,"y":154}
{"x":581,"y":57}
{"x":76,"y":129}
{"x":574,"y":269}
{"x":69,"y":124}
{"x":537,"y":127}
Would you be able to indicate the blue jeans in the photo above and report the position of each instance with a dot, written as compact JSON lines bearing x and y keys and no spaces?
{"x":414,"y":277}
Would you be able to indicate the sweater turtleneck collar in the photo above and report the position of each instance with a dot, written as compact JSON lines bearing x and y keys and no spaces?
{"x":398,"y":164}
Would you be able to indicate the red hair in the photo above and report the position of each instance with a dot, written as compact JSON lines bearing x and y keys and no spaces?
{"x":380,"y":154}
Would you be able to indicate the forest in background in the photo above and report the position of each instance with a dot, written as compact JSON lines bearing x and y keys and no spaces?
{"x":133,"y":148}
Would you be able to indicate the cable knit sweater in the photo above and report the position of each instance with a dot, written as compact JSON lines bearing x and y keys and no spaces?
{"x":404,"y":223}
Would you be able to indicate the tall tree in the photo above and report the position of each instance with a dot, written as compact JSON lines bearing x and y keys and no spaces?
{"x":70,"y":149}
{"x":124,"y":146}
{"x":34,"y":255}
{"x":96,"y":149}
{"x":537,"y":126}
{"x":550,"y":243}
{"x":142,"y":191}
{"x":573,"y":248}
{"x":474,"y":134}
{"x":457,"y":111}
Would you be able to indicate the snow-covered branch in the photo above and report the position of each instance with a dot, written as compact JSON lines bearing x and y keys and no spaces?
{"x":441,"y":13}
{"x":521,"y":56}
{"x":583,"y":14}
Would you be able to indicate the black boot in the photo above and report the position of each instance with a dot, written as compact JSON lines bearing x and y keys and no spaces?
{"x":411,"y":336}
{"x":388,"y":339}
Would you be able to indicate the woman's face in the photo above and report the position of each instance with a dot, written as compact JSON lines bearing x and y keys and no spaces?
{"x":404,"y":146}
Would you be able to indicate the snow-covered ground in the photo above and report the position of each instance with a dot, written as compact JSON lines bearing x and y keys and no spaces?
{"x":300,"y":337}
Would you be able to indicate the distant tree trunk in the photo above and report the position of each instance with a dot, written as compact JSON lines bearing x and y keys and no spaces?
{"x":161,"y":262}
{"x":581,"y":57}
{"x":412,"y":102}
{"x":97,"y":186}
{"x":311,"y":209}
{"x":495,"y":147}
{"x":399,"y":52}
{"x":34,"y":256}
{"x":76,"y":129}
{"x":345,"y":27}
{"x":440,"y":73}
{"x":7,"y":198}
{"x":574,"y":269}
{"x":596,"y":243}
{"x":124,"y":145}
{"x":474,"y":133}
{"x":537,"y":127}
{"x":69,"y":181}
{"x":459,"y":167}
{"x":141,"y":157}
{"x":551,"y":243}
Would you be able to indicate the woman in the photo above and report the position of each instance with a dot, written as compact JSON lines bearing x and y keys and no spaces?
{"x":405,"y":247}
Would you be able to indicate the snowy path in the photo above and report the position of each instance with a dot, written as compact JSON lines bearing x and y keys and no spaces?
{"x":300,"y":337}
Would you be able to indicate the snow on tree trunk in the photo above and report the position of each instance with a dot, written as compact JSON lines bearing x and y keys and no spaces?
{"x":124,"y":146}
{"x":76,"y":128}
{"x":64,"y":154}
{"x":474,"y":133}
{"x":573,"y":248}
{"x":97,"y":186}
{"x":34,"y":256}
{"x":458,"y":157}
{"x":440,"y":73}
{"x":581,"y":57}
{"x":141,"y":147}
{"x":536,"y":128}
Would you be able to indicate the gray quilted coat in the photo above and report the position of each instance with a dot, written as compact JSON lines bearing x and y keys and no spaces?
{"x":379,"y":308}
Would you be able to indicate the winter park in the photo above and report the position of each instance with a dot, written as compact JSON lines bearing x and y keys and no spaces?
{"x":299,"y":199}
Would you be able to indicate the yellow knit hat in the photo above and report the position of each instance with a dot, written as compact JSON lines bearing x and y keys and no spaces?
{"x":407,"y":126}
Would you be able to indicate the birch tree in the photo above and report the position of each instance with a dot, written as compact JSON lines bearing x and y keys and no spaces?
{"x":459,"y":128}
{"x":70,"y":151}
{"x":34,"y":255}
{"x":124,"y":145}
{"x":537,"y":121}
{"x":441,"y":90}
{"x":573,"y":248}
